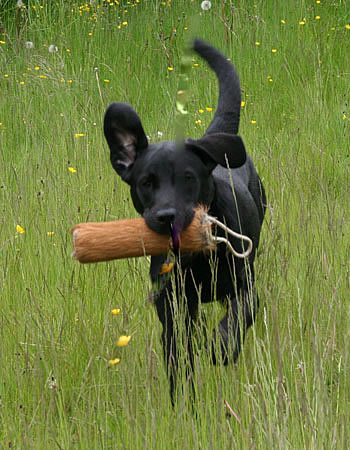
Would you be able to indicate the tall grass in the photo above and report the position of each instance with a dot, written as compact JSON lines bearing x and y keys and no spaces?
{"x":290,"y":387}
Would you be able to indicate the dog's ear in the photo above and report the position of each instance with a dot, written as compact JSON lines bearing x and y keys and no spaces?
{"x":125,"y":136}
{"x":219,"y":148}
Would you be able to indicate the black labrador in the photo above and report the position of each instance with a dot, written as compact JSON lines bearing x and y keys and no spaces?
{"x":168,"y":180}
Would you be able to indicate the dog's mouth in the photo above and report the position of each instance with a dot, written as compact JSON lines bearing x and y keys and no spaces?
{"x":171,"y":226}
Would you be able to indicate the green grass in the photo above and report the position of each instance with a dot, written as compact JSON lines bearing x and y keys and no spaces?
{"x":290,"y":387}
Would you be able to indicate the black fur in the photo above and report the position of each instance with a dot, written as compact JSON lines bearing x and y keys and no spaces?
{"x":168,"y":181}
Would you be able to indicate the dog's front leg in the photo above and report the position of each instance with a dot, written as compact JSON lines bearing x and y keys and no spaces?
{"x":166,"y":317}
{"x":231,"y":331}
{"x":177,"y":325}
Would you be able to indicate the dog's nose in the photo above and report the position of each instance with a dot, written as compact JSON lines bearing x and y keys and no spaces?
{"x":166,"y":216}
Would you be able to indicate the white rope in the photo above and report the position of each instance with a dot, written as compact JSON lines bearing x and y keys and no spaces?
{"x":245,"y":254}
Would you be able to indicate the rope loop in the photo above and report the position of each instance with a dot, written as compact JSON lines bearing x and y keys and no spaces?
{"x":212,"y":220}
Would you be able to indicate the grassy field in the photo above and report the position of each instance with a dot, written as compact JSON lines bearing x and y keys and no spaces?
{"x":291,"y":386}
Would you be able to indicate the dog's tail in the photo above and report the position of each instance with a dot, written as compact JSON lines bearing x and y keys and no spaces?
{"x":226,"y":118}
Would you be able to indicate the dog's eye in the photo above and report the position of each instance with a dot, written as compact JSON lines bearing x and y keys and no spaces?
{"x":188,"y":177}
{"x":147,"y":183}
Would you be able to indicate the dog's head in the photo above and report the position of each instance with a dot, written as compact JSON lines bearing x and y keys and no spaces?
{"x":168,"y":180}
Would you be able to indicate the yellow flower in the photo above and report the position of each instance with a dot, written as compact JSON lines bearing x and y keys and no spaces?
{"x":344,"y":116}
{"x":115,"y":311}
{"x":302,"y":22}
{"x":6,"y":75}
{"x":21,"y":83}
{"x":113,"y":362}
{"x":242,"y":103}
{"x":50,"y":233}
{"x":317,"y":17}
{"x":253,"y":122}
{"x":283,"y":21}
{"x":72,"y":170}
{"x":106,"y":81}
{"x":78,"y":135}
{"x":123,"y":341}
{"x":195,"y":65}
{"x":89,"y":34}
{"x":209,"y":109}
{"x":170,"y":68}
{"x":125,"y":23}
{"x":201,"y":111}
{"x":42,"y":76}
{"x":36,"y":68}
{"x":2,"y":42}
{"x":197,"y":122}
{"x":19,"y":229}
{"x":274,"y":50}
{"x":257,"y":43}
{"x":347,"y":26}
{"x":166,"y":268}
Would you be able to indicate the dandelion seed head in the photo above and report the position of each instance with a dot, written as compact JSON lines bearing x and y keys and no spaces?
{"x":206,"y":5}
{"x":53,"y":48}
{"x":29,"y":44}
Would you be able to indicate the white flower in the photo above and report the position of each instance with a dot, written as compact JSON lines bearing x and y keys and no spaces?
{"x":53,"y":48}
{"x":206,"y":5}
{"x":29,"y":44}
{"x":159,"y":134}
{"x":19,"y":4}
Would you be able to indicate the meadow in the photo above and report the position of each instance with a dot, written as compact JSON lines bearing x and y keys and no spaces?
{"x":61,"y":64}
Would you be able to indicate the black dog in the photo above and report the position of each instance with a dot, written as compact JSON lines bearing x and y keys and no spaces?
{"x":168,"y":181}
